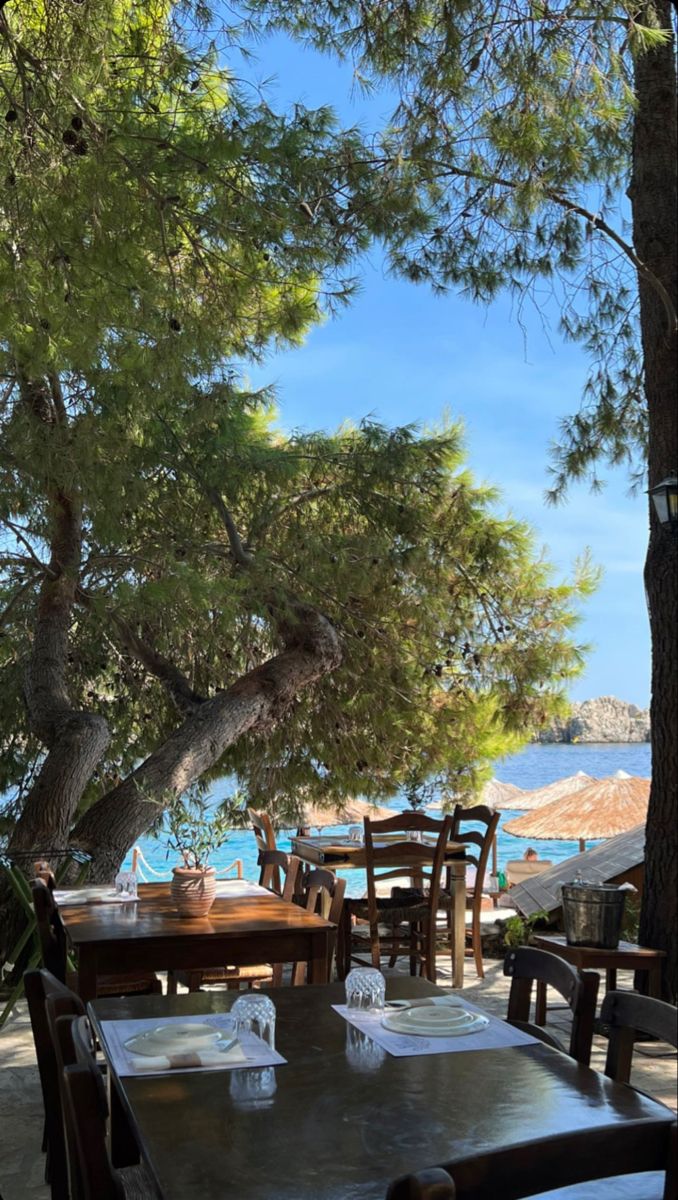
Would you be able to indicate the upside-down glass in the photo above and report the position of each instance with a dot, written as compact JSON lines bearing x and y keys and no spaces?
{"x":355,"y":833}
{"x":366,"y":989}
{"x":255,"y":1014}
{"x":126,"y":884}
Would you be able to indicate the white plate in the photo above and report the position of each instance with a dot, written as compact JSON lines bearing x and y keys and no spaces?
{"x":435,"y":1021}
{"x":180,"y":1038}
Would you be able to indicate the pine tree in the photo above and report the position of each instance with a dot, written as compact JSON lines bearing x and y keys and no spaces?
{"x":186,"y":589}
{"x":524,"y":126}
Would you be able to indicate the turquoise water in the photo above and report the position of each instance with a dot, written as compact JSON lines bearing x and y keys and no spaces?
{"x":534,"y":767}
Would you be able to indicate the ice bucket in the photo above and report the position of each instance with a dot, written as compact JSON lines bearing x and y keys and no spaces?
{"x":593,"y":914}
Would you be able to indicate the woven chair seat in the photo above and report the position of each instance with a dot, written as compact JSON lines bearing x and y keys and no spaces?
{"x":262,"y":971}
{"x":136,"y":983}
{"x":403,"y":905}
{"x":138,"y":1183}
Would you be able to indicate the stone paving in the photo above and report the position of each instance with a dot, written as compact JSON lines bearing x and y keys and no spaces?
{"x":22,"y":1164}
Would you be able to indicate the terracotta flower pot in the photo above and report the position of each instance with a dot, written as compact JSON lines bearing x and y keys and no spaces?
{"x":193,"y":890}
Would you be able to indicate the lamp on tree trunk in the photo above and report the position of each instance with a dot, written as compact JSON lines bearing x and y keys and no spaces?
{"x":665,"y":500}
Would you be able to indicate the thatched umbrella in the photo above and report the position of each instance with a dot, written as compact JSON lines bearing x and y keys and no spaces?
{"x":495,"y":795}
{"x":344,"y":812}
{"x":540,"y":797}
{"x":603,"y":809}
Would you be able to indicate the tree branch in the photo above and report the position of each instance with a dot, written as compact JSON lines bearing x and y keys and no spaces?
{"x":172,"y":679}
{"x":253,"y":703}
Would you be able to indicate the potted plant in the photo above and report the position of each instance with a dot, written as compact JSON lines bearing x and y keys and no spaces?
{"x":195,"y":832}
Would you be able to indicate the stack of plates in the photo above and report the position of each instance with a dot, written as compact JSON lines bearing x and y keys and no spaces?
{"x":180,"y":1038}
{"x":435,"y":1021}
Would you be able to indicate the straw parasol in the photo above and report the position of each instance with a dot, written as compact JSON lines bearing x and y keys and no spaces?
{"x":344,"y":812}
{"x":495,"y":795}
{"x":540,"y":797}
{"x":603,"y":809}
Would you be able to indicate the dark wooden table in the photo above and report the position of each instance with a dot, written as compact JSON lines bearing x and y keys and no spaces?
{"x":627,"y":957}
{"x":239,"y":930}
{"x":344,"y":1120}
{"x":341,"y":854}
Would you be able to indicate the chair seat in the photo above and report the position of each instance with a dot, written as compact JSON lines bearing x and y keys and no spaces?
{"x":136,"y":983}
{"x":403,"y":905}
{"x":261,"y":971}
{"x":139,"y":1183}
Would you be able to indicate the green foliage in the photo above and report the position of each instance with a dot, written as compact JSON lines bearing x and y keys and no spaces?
{"x":194,"y":830}
{"x":513,"y":132}
{"x":139,"y":265}
{"x":518,"y":930}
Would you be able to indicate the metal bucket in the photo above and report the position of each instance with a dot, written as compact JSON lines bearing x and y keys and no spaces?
{"x":593,"y":914}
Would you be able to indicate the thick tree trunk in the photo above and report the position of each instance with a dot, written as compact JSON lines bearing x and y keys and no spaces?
{"x":654,"y":199}
{"x":74,"y":740}
{"x":253,"y":704}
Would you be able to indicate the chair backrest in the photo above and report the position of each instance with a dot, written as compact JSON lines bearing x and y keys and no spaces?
{"x":275,"y":865}
{"x":579,"y":989}
{"x":263,"y":829}
{"x":530,"y":1168}
{"x":627,"y":1014}
{"x":388,"y":856}
{"x":324,"y":895}
{"x":521,"y":869}
{"x":51,"y":932}
{"x":39,"y":986}
{"x":87,"y":1114}
{"x":480,"y":841}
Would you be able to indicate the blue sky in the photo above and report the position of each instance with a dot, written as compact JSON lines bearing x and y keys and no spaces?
{"x":402,"y":355}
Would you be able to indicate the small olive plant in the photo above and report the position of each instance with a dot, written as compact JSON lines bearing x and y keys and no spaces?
{"x":195,"y":830}
{"x":518,"y":930}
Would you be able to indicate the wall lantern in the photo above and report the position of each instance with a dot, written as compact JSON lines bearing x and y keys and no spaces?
{"x":665,"y":499}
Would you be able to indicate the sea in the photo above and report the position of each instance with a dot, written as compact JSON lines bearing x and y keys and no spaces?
{"x":533,"y":767}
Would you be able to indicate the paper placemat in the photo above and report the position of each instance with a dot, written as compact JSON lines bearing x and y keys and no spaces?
{"x":496,"y":1036}
{"x":256,"y":1053}
{"x":92,"y":895}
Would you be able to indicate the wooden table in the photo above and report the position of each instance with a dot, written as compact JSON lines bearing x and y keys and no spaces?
{"x":245,"y":926}
{"x":336,"y":853}
{"x":627,"y":957}
{"x":340,"y":1125}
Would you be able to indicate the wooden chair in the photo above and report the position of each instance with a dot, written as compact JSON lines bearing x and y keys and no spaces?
{"x":478,"y":856}
{"x":324,"y":895}
{"x":52,"y":937}
{"x":628,"y":1014}
{"x":565,"y":1161}
{"x":275,"y":869}
{"x":408,"y":915}
{"x":87,"y":1113}
{"x":41,"y":985}
{"x":579,"y":989}
{"x":264,"y":835}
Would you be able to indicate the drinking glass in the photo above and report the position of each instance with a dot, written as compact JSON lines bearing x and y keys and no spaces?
{"x":255,"y":1014}
{"x":366,"y":989}
{"x":355,"y":833}
{"x":126,"y":884}
{"x":414,"y":835}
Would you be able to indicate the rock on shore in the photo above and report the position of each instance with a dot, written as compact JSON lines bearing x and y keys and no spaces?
{"x":606,"y":719}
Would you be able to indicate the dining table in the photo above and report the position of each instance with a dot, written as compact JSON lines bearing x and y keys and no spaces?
{"x":246,"y":925}
{"x":345,"y":853}
{"x":342,"y":1116}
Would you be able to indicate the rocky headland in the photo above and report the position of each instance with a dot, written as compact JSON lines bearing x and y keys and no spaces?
{"x":606,"y":719}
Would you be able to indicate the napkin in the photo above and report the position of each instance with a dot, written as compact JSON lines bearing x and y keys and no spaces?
{"x":193,"y":1058}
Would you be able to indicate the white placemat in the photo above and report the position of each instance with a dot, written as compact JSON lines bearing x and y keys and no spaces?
{"x":495,"y":1036}
{"x":255,"y":1051}
{"x":234,"y":888}
{"x":92,"y":895}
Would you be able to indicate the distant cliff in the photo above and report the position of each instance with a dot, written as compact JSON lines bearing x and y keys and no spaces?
{"x":603,"y":720}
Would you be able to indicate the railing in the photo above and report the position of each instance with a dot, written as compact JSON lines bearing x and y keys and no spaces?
{"x":140,"y":865}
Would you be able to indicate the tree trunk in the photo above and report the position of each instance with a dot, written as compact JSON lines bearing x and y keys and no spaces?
{"x":252,"y":704}
{"x":654,"y":200}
